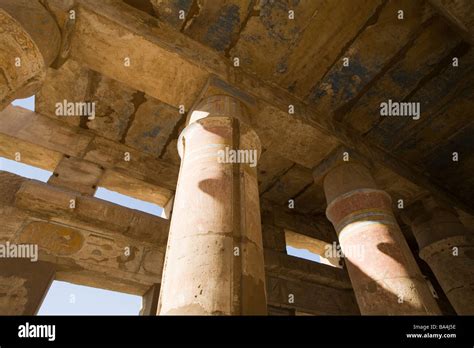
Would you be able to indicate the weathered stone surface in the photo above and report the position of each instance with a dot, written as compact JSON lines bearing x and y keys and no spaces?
{"x":427,"y":50}
{"x":270,"y":30}
{"x":86,"y":251}
{"x":294,"y":181}
{"x":270,"y":166}
{"x":290,"y":266}
{"x":447,"y":247}
{"x":70,"y":83}
{"x":145,"y":68}
{"x":167,"y":72}
{"x":218,"y":23}
{"x":42,"y":142}
{"x":273,"y":237}
{"x":169,"y":11}
{"x":116,"y":181}
{"x":310,"y":225}
{"x":153,"y":123}
{"x":23,"y":285}
{"x":310,"y":297}
{"x":287,"y":135}
{"x":459,"y":13}
{"x":114,"y":107}
{"x":30,"y":41}
{"x":370,"y":51}
{"x":40,"y":130}
{"x":215,"y":249}
{"x":383,"y":272}
{"x":332,"y":27}
{"x":311,"y":200}
{"x":77,"y":175}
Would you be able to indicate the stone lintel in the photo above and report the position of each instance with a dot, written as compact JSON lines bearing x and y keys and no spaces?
{"x":336,"y":158}
{"x":216,"y":86}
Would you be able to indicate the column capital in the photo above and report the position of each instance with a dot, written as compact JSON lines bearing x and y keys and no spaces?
{"x":365,"y":224}
{"x":340,"y":156}
{"x":219,"y":105}
{"x":343,"y":171}
{"x":217,"y":87}
{"x":218,"y":113}
{"x":447,"y":247}
{"x":38,"y":22}
{"x":30,"y":41}
{"x":432,"y":222}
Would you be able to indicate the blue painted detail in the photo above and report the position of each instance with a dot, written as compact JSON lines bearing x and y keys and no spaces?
{"x":282,"y":67}
{"x":271,"y":10}
{"x":404,"y":78}
{"x":183,"y":5}
{"x":440,"y":162}
{"x":219,"y":34}
{"x":344,"y":82}
{"x":152,"y":133}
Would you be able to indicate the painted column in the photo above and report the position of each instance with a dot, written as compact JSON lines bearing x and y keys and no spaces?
{"x":29,"y":43}
{"x":214,"y":258}
{"x":448,"y":248}
{"x":383,"y":272}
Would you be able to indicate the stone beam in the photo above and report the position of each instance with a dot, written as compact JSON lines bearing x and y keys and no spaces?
{"x":294,"y":267}
{"x":312,"y":226}
{"x":96,"y":243}
{"x":309,"y":298}
{"x":308,"y":287}
{"x":458,"y":12}
{"x":55,"y":146}
{"x":89,"y":244}
{"x":182,"y":64}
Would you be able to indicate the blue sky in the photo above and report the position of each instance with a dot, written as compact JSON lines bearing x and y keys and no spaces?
{"x":70,"y":299}
{"x":302,"y":253}
{"x":127,"y":201}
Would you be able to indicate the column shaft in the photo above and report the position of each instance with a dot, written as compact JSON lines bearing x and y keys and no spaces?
{"x":214,"y":259}
{"x":448,"y":248}
{"x":23,"y":285}
{"x":383,"y":272}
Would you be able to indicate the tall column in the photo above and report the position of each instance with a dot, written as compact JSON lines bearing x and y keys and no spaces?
{"x":23,"y":285}
{"x":214,"y":258}
{"x":383,"y":272}
{"x":150,"y":300}
{"x":448,"y":248}
{"x":29,"y":43}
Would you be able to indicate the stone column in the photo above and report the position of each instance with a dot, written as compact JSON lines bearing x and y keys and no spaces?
{"x":23,"y":285}
{"x":150,"y":300}
{"x":383,"y":272}
{"x":29,"y":42}
{"x":214,"y":258}
{"x":448,"y":248}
